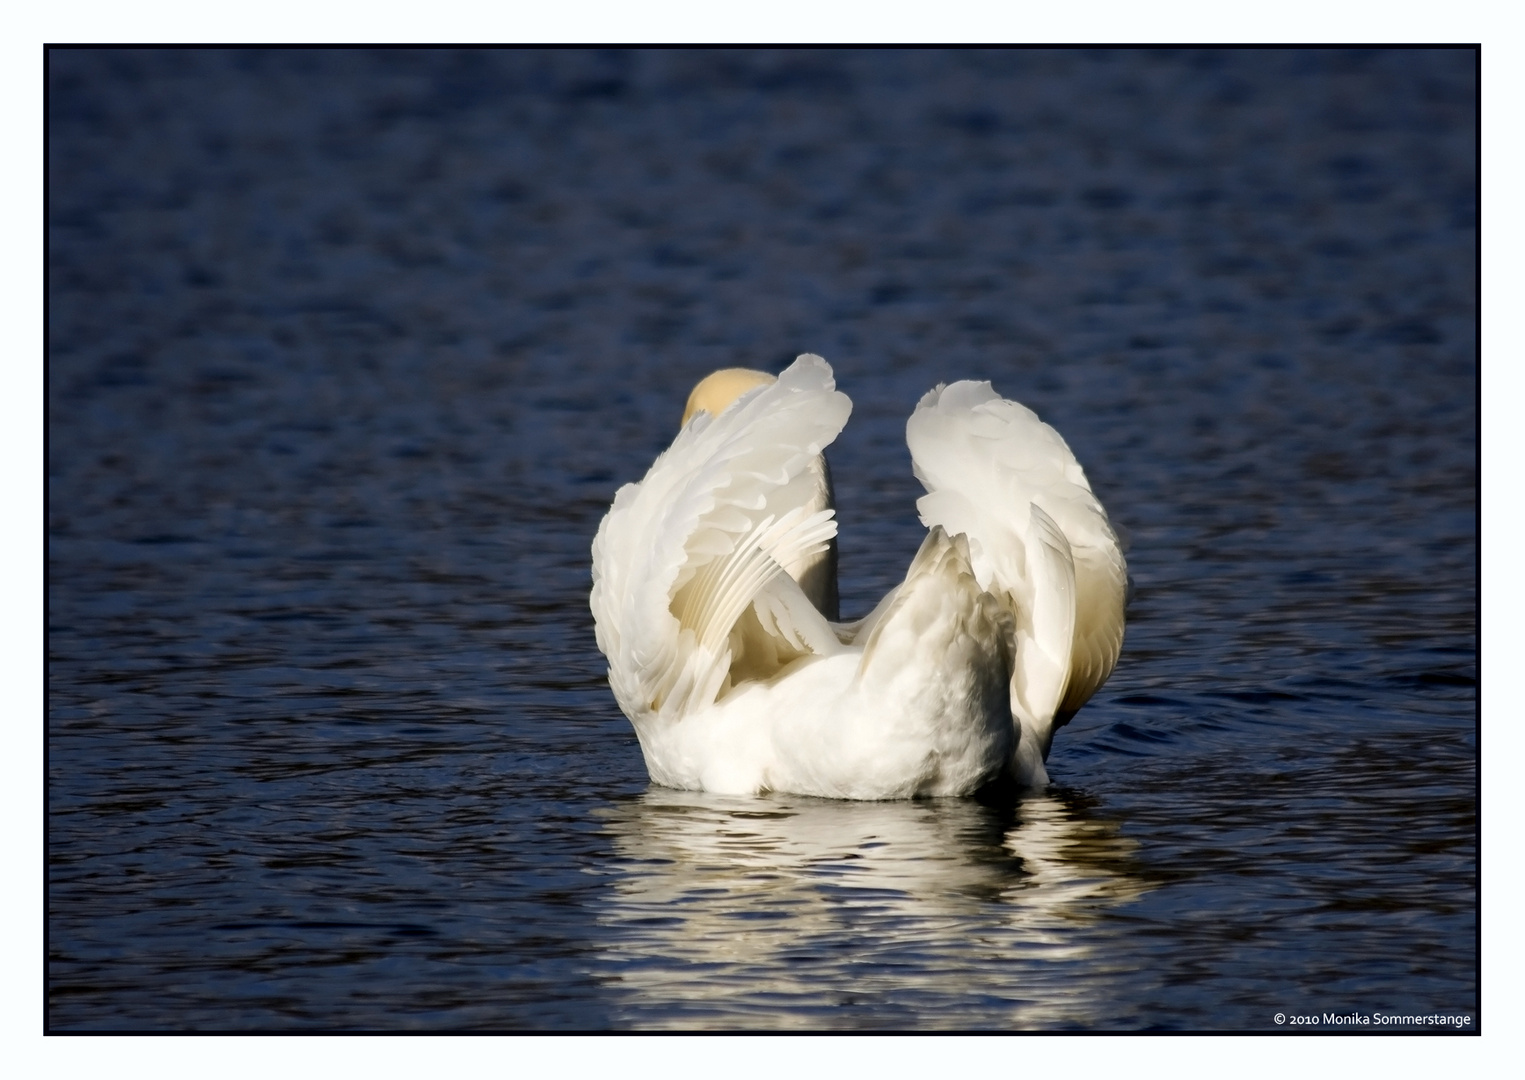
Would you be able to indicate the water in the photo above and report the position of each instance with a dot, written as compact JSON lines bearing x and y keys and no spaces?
{"x":349,"y":352}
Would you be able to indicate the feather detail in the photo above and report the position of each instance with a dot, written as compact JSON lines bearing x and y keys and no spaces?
{"x":1038,"y":537}
{"x":681,"y":555}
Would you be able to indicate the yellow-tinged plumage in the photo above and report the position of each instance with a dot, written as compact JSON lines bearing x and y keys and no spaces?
{"x":716,"y":391}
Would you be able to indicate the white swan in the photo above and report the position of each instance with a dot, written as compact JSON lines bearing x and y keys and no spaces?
{"x":711,"y":576}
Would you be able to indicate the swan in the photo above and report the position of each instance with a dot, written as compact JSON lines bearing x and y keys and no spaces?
{"x":714,"y":599}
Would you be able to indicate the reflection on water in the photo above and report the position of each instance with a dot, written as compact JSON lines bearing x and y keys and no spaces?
{"x":791,"y":911}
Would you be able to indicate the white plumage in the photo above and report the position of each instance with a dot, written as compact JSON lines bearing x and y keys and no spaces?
{"x":1010,"y":616}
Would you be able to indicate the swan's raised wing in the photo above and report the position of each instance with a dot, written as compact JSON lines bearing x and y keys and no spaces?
{"x":688,"y":565}
{"x":998,"y":474}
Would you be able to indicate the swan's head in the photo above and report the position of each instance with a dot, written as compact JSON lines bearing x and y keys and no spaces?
{"x":716,"y":392}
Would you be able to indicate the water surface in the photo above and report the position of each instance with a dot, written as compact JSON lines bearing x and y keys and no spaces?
{"x":349,"y":352}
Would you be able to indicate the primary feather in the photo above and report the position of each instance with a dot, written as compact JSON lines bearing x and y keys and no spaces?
{"x":714,"y":595}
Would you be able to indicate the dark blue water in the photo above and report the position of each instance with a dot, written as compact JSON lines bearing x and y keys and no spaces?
{"x":349,"y":352}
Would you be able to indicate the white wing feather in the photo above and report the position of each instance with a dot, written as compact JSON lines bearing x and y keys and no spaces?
{"x":1037,"y":535}
{"x":688,"y":565}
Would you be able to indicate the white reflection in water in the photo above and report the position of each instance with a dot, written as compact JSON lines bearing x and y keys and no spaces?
{"x":794,"y":912}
